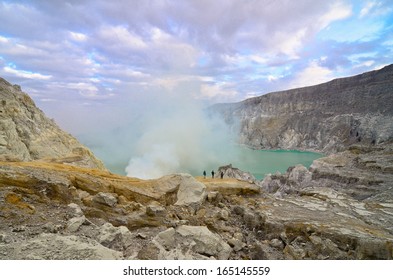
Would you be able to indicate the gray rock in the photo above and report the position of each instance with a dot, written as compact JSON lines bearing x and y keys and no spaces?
{"x":299,"y":175}
{"x":231,"y":172}
{"x":191,"y":192}
{"x":236,"y":244}
{"x":75,"y":210}
{"x":166,"y":238}
{"x":206,"y":242}
{"x":52,"y":228}
{"x":223,"y":215}
{"x":187,"y":242}
{"x":75,"y":223}
{"x":155,"y":209}
{"x":116,"y":238}
{"x":105,"y":199}
{"x":276,"y":243}
{"x":328,"y":117}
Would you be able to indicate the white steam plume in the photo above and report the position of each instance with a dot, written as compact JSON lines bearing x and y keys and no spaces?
{"x":179,"y":136}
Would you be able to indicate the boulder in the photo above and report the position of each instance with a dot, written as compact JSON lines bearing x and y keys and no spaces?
{"x":299,"y":175}
{"x":75,"y":223}
{"x":107,"y":199}
{"x":75,"y":210}
{"x":116,"y":238}
{"x":232,"y":172}
{"x":155,"y":209}
{"x":191,"y":192}
{"x":187,"y":242}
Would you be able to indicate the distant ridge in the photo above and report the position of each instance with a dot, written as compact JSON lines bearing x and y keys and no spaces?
{"x":327,"y":117}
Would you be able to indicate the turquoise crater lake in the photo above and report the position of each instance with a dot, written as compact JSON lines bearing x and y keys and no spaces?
{"x":262,"y":162}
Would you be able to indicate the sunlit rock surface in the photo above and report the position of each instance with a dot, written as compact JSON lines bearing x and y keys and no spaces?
{"x":27,"y":134}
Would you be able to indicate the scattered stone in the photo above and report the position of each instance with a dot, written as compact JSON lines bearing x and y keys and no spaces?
{"x":116,"y":238}
{"x":4,"y":238}
{"x":52,"y":228}
{"x":223,"y":215}
{"x":75,"y":210}
{"x":236,"y":244}
{"x":187,"y":242}
{"x":276,"y":243}
{"x":155,"y":209}
{"x":75,"y":223}
{"x":141,"y":235}
{"x":212,"y":196}
{"x":105,"y":199}
{"x":19,"y":229}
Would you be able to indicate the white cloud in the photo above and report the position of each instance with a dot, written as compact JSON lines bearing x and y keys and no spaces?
{"x":290,"y":43}
{"x":3,"y":39}
{"x":26,"y":74}
{"x":80,"y":37}
{"x":272,"y":78}
{"x":367,"y":63}
{"x":121,"y":37}
{"x":337,"y":11}
{"x":367,"y":8}
{"x":313,"y":74}
{"x":228,"y":49}
{"x":218,"y":91}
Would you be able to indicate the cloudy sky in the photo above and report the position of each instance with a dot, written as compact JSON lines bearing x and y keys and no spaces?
{"x":84,"y":57}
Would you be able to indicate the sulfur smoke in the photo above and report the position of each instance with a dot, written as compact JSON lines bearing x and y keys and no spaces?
{"x":179,"y":136}
{"x":153,"y":134}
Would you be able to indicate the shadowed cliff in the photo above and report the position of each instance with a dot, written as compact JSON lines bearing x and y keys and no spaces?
{"x":328,"y":117}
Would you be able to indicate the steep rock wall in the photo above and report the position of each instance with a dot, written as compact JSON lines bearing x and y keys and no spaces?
{"x":27,"y":134}
{"x":327,"y":117}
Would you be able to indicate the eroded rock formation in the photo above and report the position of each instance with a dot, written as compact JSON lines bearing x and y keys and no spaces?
{"x":328,"y":117}
{"x":27,"y":134}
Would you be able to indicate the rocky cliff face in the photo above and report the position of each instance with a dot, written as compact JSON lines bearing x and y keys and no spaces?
{"x":27,"y":134}
{"x":327,"y":117}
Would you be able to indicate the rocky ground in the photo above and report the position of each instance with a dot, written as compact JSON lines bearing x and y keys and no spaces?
{"x":341,"y":208}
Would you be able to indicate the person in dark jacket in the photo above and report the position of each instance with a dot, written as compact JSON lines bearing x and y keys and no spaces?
{"x":213,"y":174}
{"x":204,"y":174}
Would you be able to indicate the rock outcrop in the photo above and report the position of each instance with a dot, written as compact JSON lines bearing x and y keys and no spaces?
{"x":187,"y":242}
{"x":228,"y":171}
{"x":328,"y":117}
{"x":26,"y":134}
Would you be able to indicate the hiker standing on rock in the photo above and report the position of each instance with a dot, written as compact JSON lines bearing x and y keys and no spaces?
{"x":222,"y":174}
{"x":213,"y":174}
{"x":204,"y":174}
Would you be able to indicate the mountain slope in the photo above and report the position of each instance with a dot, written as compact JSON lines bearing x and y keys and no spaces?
{"x":26,"y":134}
{"x":327,"y":117}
